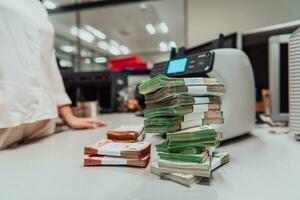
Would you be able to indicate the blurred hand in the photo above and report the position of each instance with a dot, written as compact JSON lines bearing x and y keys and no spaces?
{"x":83,"y":123}
{"x":65,"y":112}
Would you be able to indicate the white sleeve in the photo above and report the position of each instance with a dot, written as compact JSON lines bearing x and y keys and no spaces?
{"x":62,"y":97}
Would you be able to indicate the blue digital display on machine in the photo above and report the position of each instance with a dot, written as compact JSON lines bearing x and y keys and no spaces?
{"x":177,"y":66}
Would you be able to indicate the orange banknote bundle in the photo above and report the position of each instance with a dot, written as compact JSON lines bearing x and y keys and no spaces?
{"x":130,"y":133}
{"x":108,"y":152}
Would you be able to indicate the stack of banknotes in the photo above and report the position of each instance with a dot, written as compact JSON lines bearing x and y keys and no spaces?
{"x":127,"y":133}
{"x":107,"y":152}
{"x":183,"y":109}
{"x":173,"y":104}
{"x":187,"y":179}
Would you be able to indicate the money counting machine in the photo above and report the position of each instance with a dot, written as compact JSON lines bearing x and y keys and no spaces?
{"x":232,"y":68}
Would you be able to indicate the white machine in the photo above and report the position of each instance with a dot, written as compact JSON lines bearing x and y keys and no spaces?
{"x":231,"y":67}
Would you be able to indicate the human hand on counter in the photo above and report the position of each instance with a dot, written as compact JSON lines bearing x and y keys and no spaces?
{"x":74,"y":122}
{"x":83,"y":123}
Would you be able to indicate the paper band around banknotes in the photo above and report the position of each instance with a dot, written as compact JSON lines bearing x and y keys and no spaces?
{"x":193,"y":81}
{"x":96,"y":160}
{"x":112,"y":149}
{"x":107,"y":147}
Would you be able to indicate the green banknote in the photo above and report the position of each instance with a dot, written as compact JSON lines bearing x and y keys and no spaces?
{"x":219,"y":159}
{"x":162,"y":128}
{"x":188,"y":173}
{"x":196,"y":91}
{"x":203,"y":136}
{"x":168,"y":111}
{"x":165,"y":126}
{"x":161,"y":81}
{"x":192,"y":168}
{"x":203,"y":144}
{"x":173,"y":111}
{"x":209,"y":117}
{"x":179,"y":157}
{"x":162,"y":121}
{"x":182,"y":100}
{"x":163,"y":147}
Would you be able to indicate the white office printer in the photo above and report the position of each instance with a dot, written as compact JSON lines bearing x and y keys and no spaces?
{"x":231,"y":67}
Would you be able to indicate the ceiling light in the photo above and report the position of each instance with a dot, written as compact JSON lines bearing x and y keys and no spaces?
{"x":103,"y":45}
{"x":124,"y":50}
{"x":143,"y":6}
{"x":82,"y":34}
{"x":65,"y":63}
{"x":85,"y":53}
{"x":49,"y":4}
{"x":172,"y":44}
{"x":163,"y":27}
{"x":163,"y":46}
{"x":95,"y":32}
{"x":68,"y":48}
{"x":114,"y":43}
{"x":87,"y":61}
{"x":150,"y":28}
{"x":114,"y":51}
{"x":100,"y":60}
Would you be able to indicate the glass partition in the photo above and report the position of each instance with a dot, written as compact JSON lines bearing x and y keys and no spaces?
{"x":86,"y":39}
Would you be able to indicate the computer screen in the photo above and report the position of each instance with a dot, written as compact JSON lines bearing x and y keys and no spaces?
{"x":267,"y":49}
{"x":255,"y":45}
{"x":177,"y":66}
{"x":284,"y":79}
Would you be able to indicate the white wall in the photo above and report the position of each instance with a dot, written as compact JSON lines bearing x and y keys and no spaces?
{"x":156,"y":57}
{"x":208,"y":18}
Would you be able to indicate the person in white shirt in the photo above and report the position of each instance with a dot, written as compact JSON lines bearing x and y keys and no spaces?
{"x":32,"y":93}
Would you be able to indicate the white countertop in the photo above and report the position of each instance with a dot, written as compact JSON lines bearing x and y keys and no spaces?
{"x":263,"y":166}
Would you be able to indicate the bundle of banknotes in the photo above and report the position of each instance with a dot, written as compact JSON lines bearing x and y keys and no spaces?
{"x":173,"y":104}
{"x":108,"y":152}
{"x":188,"y":151}
{"x":183,"y":109}
{"x":127,"y":133}
{"x":186,"y":178}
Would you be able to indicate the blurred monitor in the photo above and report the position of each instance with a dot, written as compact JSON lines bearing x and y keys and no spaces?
{"x":278,"y":76}
{"x":255,"y":45}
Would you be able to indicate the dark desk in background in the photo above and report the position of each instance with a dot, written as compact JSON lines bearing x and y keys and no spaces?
{"x":89,"y":86}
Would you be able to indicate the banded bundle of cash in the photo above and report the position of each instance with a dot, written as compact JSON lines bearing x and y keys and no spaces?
{"x":189,"y":162}
{"x":173,"y":104}
{"x":186,"y":178}
{"x":107,"y":152}
{"x":183,"y":109}
{"x":161,"y":81}
{"x":127,"y":133}
{"x":187,"y":151}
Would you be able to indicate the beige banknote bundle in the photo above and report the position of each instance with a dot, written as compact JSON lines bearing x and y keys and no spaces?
{"x":96,"y":160}
{"x":107,"y":152}
{"x":127,"y":133}
{"x":182,"y":172}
